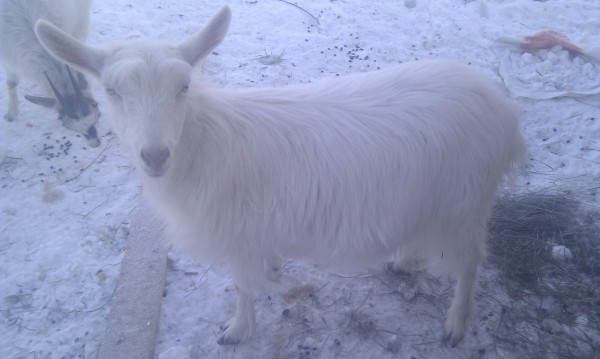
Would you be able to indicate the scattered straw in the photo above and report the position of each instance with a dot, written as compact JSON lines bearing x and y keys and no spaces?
{"x":545,"y":289}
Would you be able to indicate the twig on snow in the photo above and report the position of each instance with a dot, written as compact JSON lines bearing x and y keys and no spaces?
{"x":311,"y":15}
{"x":103,"y":305}
{"x":94,"y":161}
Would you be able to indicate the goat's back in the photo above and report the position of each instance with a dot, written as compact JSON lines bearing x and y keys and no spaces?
{"x":345,"y":170}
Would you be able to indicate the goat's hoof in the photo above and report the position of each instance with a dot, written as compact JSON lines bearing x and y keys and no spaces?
{"x":10,"y":117}
{"x":225,"y":340}
{"x":234,"y":332}
{"x":228,"y":338}
{"x":452,"y":335}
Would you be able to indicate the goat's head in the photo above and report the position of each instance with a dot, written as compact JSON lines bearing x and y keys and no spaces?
{"x":146,"y":84}
{"x":77,"y":110}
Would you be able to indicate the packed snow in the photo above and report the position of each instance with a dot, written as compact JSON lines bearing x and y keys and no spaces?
{"x":65,"y":207}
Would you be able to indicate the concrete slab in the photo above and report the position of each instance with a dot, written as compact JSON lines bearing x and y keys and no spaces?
{"x":133,"y":319}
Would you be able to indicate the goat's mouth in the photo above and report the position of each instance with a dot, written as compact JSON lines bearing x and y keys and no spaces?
{"x":155,"y":172}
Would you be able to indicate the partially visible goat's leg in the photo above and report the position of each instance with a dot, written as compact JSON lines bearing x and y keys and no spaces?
{"x":406,"y":261}
{"x":242,"y":325}
{"x":12,"y":110}
{"x":273,"y":266}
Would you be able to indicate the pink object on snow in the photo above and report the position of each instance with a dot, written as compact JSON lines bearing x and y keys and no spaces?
{"x":546,"y":40}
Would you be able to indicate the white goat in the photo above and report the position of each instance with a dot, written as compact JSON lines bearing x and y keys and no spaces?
{"x":401,"y":163}
{"x":24,"y":57}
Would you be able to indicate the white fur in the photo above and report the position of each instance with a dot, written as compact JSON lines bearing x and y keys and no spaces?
{"x":23,"y":57}
{"x":397,"y":164}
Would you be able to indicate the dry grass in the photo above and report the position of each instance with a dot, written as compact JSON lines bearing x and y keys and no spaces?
{"x":556,"y":302}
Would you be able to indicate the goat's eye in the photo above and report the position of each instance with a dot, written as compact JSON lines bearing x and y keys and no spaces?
{"x":111,"y":92}
{"x":184,"y":88}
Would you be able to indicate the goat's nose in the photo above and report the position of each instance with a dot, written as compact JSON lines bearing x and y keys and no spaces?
{"x":92,"y":136}
{"x":155,"y":158}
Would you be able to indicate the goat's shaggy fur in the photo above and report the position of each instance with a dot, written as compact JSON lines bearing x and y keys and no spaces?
{"x":400,"y":164}
{"x":24,"y":57}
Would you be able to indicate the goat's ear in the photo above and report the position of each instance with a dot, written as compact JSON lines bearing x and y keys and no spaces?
{"x":43,"y":101}
{"x":69,"y":50}
{"x":202,"y":43}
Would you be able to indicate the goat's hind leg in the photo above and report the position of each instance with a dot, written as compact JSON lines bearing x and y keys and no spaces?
{"x":12,"y":110}
{"x":273,"y":264}
{"x":461,"y":310}
{"x":464,"y":258}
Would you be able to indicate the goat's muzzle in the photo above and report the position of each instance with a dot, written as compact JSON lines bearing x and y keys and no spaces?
{"x":155,"y":160}
{"x":92,"y":136}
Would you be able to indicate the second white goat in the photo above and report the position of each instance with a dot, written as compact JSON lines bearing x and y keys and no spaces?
{"x":23,"y":57}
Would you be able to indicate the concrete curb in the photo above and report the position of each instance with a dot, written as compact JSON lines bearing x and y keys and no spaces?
{"x":133,"y":320}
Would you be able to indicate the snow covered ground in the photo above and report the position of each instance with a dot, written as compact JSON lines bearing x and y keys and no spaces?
{"x":64,"y":207}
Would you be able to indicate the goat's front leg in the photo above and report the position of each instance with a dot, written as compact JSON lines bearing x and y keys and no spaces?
{"x":242,"y":325}
{"x":12,"y":110}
